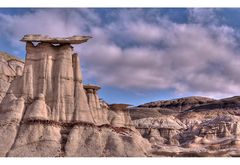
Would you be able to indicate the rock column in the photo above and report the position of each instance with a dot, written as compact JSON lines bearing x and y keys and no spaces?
{"x":99,"y":115}
{"x":53,"y":70}
{"x":93,"y":99}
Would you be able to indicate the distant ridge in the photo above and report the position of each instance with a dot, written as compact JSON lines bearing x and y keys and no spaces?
{"x":179,"y":103}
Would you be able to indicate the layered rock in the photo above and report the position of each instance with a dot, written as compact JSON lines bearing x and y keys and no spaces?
{"x":100,"y":114}
{"x":11,"y":107}
{"x":10,"y":67}
{"x":161,"y":130}
{"x":208,"y":128}
{"x":47,"y":110}
{"x":119,"y":116}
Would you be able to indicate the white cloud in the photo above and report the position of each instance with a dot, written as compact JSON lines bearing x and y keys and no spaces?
{"x":203,"y":15}
{"x":53,"y":22}
{"x":134,"y":53}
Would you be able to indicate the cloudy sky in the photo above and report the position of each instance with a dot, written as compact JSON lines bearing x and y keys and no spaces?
{"x":142,"y":55}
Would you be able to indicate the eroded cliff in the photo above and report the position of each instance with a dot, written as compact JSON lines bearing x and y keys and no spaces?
{"x":47,"y":111}
{"x":203,"y":126}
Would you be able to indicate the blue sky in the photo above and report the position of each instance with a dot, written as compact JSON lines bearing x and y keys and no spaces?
{"x":141,"y":55}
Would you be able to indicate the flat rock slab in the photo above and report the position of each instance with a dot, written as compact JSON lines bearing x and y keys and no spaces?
{"x":91,"y":86}
{"x":55,"y":40}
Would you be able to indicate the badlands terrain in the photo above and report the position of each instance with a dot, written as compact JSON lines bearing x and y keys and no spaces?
{"x":47,"y":111}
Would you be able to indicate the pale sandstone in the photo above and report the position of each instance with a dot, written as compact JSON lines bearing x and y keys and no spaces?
{"x":10,"y":67}
{"x":47,"y":110}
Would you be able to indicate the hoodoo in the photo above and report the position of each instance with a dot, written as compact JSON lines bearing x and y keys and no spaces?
{"x":59,"y":77}
{"x":47,"y":111}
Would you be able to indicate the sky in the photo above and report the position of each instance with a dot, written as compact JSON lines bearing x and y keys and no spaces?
{"x":140,"y":55}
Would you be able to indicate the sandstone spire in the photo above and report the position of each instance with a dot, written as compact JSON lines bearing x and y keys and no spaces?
{"x":59,"y":77}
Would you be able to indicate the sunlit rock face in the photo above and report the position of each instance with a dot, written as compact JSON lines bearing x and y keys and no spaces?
{"x":58,"y":79}
{"x":47,"y":111}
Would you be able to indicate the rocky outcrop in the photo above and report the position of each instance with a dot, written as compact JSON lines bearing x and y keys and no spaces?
{"x":209,"y":128}
{"x":100,"y":114}
{"x":160,"y":130}
{"x":47,"y":110}
{"x":119,"y":116}
{"x":10,"y":67}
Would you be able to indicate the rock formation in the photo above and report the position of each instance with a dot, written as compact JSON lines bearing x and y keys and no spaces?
{"x":100,"y":114}
{"x":202,"y":127}
{"x":10,"y":67}
{"x":47,"y":111}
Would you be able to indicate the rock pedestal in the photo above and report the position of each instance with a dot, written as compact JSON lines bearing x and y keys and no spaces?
{"x":59,"y":80}
{"x":100,"y":115}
